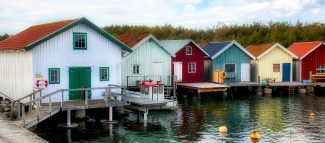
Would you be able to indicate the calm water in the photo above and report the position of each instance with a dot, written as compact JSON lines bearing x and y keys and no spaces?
{"x":277,"y":119}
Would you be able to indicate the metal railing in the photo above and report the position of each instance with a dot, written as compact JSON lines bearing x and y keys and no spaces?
{"x":36,"y":100}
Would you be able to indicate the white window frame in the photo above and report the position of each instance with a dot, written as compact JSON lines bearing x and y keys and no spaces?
{"x":138,"y":69}
{"x":320,"y":68}
{"x":224,"y":67}
{"x":189,"y":48}
{"x":190,"y":69}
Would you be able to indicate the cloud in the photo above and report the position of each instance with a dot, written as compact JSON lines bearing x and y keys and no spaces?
{"x":16,"y":15}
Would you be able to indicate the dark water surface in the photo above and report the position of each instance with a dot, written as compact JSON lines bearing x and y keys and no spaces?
{"x":277,"y":119}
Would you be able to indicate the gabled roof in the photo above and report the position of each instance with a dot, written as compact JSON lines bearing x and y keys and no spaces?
{"x":131,"y":40}
{"x":38,"y":34}
{"x":214,"y":49}
{"x":260,"y":50}
{"x":134,"y":41}
{"x":174,"y":46}
{"x":302,"y":49}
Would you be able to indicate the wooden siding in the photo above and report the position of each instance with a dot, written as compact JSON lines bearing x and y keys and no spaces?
{"x":58,"y":52}
{"x":310,"y":62}
{"x":207,"y":70}
{"x":275,"y":56}
{"x":233,"y":55}
{"x":146,"y":55}
{"x":197,"y":57}
{"x":16,"y":73}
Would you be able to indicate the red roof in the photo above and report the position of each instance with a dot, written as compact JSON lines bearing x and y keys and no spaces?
{"x":303,"y":48}
{"x":32,"y":34}
{"x":131,"y":40}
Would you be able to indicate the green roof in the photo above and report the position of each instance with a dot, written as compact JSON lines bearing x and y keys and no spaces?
{"x":173,"y":46}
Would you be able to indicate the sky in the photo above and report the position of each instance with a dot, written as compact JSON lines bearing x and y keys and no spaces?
{"x":17,"y":15}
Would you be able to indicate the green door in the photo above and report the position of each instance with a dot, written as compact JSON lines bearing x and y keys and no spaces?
{"x":79,"y":77}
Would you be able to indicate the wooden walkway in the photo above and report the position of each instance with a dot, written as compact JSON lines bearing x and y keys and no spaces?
{"x":11,"y":133}
{"x":272,"y":84}
{"x":204,"y":87}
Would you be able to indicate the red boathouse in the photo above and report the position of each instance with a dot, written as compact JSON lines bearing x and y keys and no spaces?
{"x":311,"y":59}
{"x":188,"y":60}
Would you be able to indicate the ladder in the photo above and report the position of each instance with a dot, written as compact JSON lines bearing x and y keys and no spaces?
{"x":291,"y":90}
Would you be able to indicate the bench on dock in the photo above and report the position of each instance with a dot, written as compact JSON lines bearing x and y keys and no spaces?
{"x":316,"y":77}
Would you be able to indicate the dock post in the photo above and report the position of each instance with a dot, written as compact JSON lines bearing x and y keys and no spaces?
{"x":145,"y":119}
{"x":110,"y":117}
{"x":68,"y":118}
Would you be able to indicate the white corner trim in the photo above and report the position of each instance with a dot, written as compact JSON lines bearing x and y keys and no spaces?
{"x":243,"y":49}
{"x":229,"y":45}
{"x":199,"y":48}
{"x":221,"y":51}
{"x":281,"y":47}
{"x":321,"y":43}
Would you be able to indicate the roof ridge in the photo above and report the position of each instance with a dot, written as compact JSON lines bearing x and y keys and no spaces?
{"x":54,"y":22}
{"x":177,"y":40}
{"x":308,"y":42}
{"x":222,"y":41}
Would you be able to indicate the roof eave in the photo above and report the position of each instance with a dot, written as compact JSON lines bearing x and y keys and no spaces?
{"x":321,"y":43}
{"x":84,"y":21}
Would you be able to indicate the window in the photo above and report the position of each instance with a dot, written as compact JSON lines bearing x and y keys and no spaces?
{"x":80,"y":41}
{"x":188,"y":50}
{"x":54,"y":75}
{"x":192,"y":67}
{"x":136,"y":69}
{"x":104,"y":73}
{"x":230,"y":68}
{"x":276,"y":67}
{"x":320,"y":69}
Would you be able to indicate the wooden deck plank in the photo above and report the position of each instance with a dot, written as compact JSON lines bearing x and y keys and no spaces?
{"x":202,"y":85}
{"x":10,"y":132}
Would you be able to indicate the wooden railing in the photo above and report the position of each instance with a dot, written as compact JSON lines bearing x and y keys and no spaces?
{"x":5,"y":96}
{"x":36,"y":100}
{"x":315,"y":77}
{"x":142,"y":78}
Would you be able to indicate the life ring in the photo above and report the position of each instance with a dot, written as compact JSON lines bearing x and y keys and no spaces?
{"x":222,"y":74}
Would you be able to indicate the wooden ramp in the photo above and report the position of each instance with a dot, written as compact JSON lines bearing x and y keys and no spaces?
{"x":11,"y":133}
{"x":31,"y":111}
{"x":204,"y":87}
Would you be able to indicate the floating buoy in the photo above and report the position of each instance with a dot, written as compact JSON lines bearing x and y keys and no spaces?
{"x":255,"y":135}
{"x":312,"y":114}
{"x":223,"y":129}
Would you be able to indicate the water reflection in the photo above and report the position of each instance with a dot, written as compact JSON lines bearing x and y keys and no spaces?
{"x":277,"y":119}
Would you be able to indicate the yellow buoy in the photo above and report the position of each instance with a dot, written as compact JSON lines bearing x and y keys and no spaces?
{"x":312,"y":114}
{"x":255,"y":135}
{"x":223,"y":129}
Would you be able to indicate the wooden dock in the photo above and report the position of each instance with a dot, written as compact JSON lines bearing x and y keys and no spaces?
{"x":11,"y":133}
{"x":31,"y":111}
{"x":204,"y":87}
{"x":271,"y":84}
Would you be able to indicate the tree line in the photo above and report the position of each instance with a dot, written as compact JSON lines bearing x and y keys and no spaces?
{"x":255,"y":33}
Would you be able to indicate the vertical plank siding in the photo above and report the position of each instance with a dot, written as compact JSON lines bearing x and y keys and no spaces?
{"x":275,"y":56}
{"x":310,"y":62}
{"x":145,"y":55}
{"x":16,"y":73}
{"x":197,"y":57}
{"x":58,"y":52}
{"x":232,"y":55}
{"x":207,"y":70}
